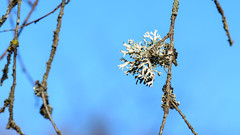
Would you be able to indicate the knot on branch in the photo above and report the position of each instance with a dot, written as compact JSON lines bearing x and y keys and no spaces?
{"x":39,"y":88}
{"x":13,"y":125}
{"x":44,"y":112}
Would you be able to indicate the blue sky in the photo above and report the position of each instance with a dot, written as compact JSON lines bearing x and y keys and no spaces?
{"x":85,"y":85}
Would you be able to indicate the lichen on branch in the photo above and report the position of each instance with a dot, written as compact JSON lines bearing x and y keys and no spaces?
{"x":146,"y":57}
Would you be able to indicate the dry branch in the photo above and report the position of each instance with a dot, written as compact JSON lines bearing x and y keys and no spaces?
{"x":41,"y":89}
{"x":12,"y":4}
{"x":166,"y":105}
{"x":224,"y":20}
{"x":12,"y":49}
{"x":35,"y":21}
{"x":167,"y":98}
{"x":29,"y":14}
{"x":185,"y":119}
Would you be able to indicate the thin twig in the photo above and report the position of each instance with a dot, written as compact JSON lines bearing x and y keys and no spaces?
{"x":49,"y":63}
{"x":13,"y":47}
{"x":12,"y":22}
{"x":3,"y":55}
{"x":35,"y":21}
{"x":172,"y":58}
{"x":24,"y":70}
{"x":54,"y":45}
{"x":11,"y":122}
{"x":184,"y":117}
{"x":5,"y":69}
{"x":29,"y":14}
{"x":29,"y":2}
{"x":169,"y":74}
{"x":163,"y":122}
{"x":224,"y":20}
{"x":12,"y":4}
{"x":48,"y":113}
{"x":25,"y":21}
{"x":6,"y":104}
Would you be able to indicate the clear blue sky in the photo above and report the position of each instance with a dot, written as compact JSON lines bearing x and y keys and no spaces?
{"x":86,"y":87}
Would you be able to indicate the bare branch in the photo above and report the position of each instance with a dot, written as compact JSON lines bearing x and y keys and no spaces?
{"x":12,"y":4}
{"x":3,"y":55}
{"x":9,"y":102}
{"x":5,"y":70}
{"x":46,"y":106}
{"x":29,"y":14}
{"x":224,"y":20}
{"x":35,"y":21}
{"x":43,"y":85}
{"x":166,"y":105}
{"x":184,"y":117}
{"x":163,"y":122}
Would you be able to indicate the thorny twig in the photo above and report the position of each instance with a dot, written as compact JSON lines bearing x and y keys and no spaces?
{"x":167,"y":96}
{"x":224,"y":20}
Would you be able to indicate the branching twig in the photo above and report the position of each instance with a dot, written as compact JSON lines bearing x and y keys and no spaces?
{"x":46,"y":108}
{"x":184,"y":117}
{"x":11,"y":122}
{"x":29,"y":14}
{"x":43,"y":86}
{"x":168,"y":100}
{"x":9,"y":102}
{"x":35,"y":21}
{"x":166,"y":105}
{"x":5,"y":70}
{"x":24,"y":69}
{"x":224,"y":20}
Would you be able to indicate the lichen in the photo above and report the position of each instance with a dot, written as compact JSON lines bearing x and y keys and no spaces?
{"x":146,"y":57}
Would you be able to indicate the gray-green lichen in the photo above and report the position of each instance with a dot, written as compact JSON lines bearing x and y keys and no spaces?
{"x":146,"y":57}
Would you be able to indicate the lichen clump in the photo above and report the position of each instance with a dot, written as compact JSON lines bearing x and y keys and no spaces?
{"x":146,"y":57}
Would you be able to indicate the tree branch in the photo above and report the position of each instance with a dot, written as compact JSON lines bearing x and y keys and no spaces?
{"x":13,"y":47}
{"x":43,"y":85}
{"x":166,"y":95}
{"x":35,"y":21}
{"x":224,"y":20}
{"x":12,"y":4}
{"x":184,"y":117}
